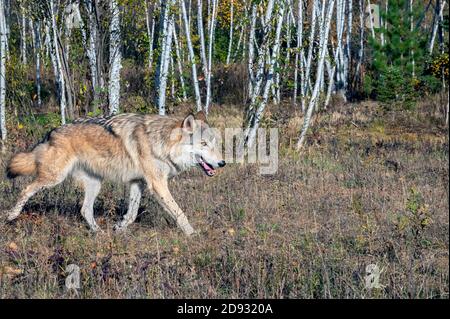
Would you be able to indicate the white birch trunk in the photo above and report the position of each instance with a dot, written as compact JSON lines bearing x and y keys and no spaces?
{"x":298,"y":52}
{"x":320,"y":63}
{"x":150,"y":33}
{"x":310,"y":46}
{"x":59,"y":75}
{"x":262,"y":53}
{"x":212,"y":24}
{"x":202,"y":36}
{"x":251,"y":135}
{"x":23,"y":31}
{"x":230,"y":42}
{"x":164,"y":58}
{"x":114,"y":58}
{"x":3,"y":40}
{"x":438,"y":13}
{"x":187,"y":31}
{"x":251,"y":51}
{"x":37,"y":52}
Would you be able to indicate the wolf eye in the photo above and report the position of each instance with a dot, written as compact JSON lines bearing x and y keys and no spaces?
{"x":204,"y":143}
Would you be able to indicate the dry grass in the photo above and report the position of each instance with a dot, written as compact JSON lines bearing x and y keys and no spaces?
{"x":370,"y":188}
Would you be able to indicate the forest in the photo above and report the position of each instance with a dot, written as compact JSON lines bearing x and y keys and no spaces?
{"x":357,"y":89}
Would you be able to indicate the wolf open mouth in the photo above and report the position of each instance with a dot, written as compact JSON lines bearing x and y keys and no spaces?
{"x":207,"y":168}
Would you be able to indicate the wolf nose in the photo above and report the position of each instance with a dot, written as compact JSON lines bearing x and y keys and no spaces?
{"x":222,"y":163}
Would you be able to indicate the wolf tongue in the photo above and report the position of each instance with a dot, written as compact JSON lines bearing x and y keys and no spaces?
{"x":207,"y":167}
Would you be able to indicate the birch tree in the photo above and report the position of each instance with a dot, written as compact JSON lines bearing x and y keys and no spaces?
{"x":3,"y":40}
{"x":187,"y":32}
{"x":150,"y":23}
{"x":57,"y":63}
{"x":93,"y":50}
{"x":265,"y":70}
{"x":230,"y":42}
{"x":114,"y":58}
{"x":23,"y":31}
{"x":323,"y":48}
{"x":37,"y":49}
{"x":166,"y":25}
{"x":261,"y":105}
{"x":212,"y":25}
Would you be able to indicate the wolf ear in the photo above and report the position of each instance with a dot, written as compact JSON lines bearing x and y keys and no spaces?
{"x":189,"y":123}
{"x":200,"y":115}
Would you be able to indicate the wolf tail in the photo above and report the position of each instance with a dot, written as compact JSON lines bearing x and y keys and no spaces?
{"x":21,"y":164}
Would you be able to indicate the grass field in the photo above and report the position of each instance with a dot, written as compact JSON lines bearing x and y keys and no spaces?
{"x":371,"y":187}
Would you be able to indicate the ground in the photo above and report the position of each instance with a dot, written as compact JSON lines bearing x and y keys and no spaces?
{"x":370,"y":188}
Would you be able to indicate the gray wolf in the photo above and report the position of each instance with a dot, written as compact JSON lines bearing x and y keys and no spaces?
{"x":135,"y":149}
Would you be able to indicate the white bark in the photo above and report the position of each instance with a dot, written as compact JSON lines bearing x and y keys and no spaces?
{"x":93,"y":52}
{"x":191,"y":56}
{"x":323,"y":48}
{"x":3,"y":40}
{"x":212,"y":25}
{"x":57,"y":62}
{"x":310,"y":46}
{"x":250,"y":134}
{"x":37,"y":51}
{"x":150,"y":33}
{"x":202,"y":36}
{"x":23,"y":31}
{"x":441,"y":33}
{"x":251,"y":51}
{"x":267,"y":27}
{"x":164,"y":58}
{"x":230,"y":42}
{"x":115,"y":58}
{"x":439,"y":11}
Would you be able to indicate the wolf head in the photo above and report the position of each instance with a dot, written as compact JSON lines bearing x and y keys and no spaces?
{"x":198,"y":145}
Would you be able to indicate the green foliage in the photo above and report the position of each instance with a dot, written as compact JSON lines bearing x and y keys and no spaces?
{"x":394,"y":87}
{"x":399,"y":63}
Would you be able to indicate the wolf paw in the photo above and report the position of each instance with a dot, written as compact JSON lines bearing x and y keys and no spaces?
{"x":190,"y":232}
{"x":11,"y":215}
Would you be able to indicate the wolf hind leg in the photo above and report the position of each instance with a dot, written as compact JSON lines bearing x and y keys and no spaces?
{"x":133,"y":206}
{"x":29,"y":191}
{"x":54,"y":165}
{"x":92,"y":186}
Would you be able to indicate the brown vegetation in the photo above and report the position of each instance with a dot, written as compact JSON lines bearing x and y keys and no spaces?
{"x":371,"y":188}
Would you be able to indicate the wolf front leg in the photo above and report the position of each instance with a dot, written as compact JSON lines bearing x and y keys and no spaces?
{"x":164,"y":197}
{"x":133,"y":207}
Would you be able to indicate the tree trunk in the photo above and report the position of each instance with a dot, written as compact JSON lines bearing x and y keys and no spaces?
{"x":114,"y":58}
{"x":37,"y":47}
{"x":150,"y":23}
{"x":3,"y":40}
{"x":57,"y":61}
{"x":251,"y":135}
{"x":23,"y":31}
{"x":230,"y":42}
{"x":212,"y":26}
{"x":314,"y":96}
{"x":164,"y":58}
{"x":191,"y":56}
